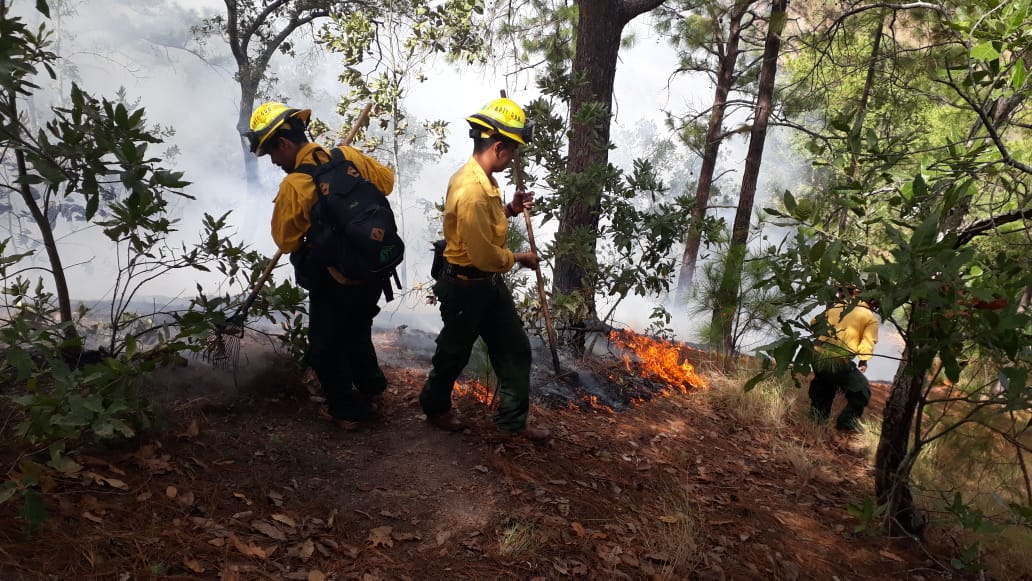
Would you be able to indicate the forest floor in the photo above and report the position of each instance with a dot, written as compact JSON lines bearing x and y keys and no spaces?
{"x":251,"y":481}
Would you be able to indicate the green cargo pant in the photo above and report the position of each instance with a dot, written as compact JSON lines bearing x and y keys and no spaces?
{"x":480,"y":308}
{"x":828,"y":378}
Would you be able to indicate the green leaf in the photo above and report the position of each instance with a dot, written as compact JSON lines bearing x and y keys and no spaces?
{"x":985,"y":52}
{"x":841,"y":125}
{"x":920,"y":187}
{"x":92,"y":204}
{"x":43,"y":8}
{"x":1018,"y":75}
{"x":790,"y":202}
{"x":950,"y":365}
{"x":1017,"y":17}
{"x":33,"y":511}
{"x":7,"y":490}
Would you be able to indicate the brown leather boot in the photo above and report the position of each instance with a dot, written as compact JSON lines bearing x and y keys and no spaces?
{"x":536,"y":435}
{"x":448,"y":421}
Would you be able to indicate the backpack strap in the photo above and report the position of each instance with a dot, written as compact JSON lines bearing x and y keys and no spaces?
{"x":320,"y":167}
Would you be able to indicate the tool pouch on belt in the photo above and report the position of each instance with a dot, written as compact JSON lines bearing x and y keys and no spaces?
{"x":437,"y":266}
{"x":306,"y":274}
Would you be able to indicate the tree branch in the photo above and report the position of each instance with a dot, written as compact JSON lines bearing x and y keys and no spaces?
{"x":909,"y":6}
{"x":631,"y":8}
{"x":979,"y":227}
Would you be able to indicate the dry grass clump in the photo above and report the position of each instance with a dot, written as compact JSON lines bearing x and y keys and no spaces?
{"x":801,"y":459}
{"x":769,"y":405}
{"x":517,"y":540}
{"x":673,"y":537}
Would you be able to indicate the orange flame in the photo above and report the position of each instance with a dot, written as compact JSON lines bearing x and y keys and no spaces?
{"x":658,"y":359}
{"x":589,"y":402}
{"x":476,"y":389}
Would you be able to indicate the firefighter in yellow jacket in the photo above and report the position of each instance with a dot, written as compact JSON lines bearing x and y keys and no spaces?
{"x":852,"y":332}
{"x":474,"y":299}
{"x":341,"y":311}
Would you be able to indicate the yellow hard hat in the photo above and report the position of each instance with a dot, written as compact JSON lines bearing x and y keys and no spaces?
{"x":267,"y":118}
{"x":502,"y":116}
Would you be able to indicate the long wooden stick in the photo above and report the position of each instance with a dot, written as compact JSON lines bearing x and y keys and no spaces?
{"x":358,"y":124}
{"x":549,"y":327}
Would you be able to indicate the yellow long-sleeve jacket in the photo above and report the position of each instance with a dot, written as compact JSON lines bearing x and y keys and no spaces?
{"x":291,"y":213}
{"x":475,"y":226}
{"x":855,"y":331}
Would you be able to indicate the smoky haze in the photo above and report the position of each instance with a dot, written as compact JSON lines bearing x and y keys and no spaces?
{"x":147,"y":49}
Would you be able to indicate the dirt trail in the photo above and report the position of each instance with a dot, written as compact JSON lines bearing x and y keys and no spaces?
{"x":252,"y":483}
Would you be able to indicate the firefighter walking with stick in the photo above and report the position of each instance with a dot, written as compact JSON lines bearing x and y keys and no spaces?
{"x":474,"y":299}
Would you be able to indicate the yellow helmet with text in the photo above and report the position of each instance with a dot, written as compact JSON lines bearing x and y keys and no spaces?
{"x":502,"y":117}
{"x":267,"y":119}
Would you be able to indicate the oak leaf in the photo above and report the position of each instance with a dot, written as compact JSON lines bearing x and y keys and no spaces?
{"x":380,"y":536}
{"x":268,"y":530}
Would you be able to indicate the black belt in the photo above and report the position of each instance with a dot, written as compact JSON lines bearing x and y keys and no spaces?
{"x":470,"y":273}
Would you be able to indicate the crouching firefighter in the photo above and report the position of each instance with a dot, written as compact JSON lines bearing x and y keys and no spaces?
{"x":342,"y":302}
{"x":474,"y":299}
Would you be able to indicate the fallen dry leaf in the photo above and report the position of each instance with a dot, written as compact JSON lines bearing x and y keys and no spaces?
{"x":193,"y":565}
{"x":890,"y":555}
{"x":268,"y":530}
{"x":402,"y":537}
{"x":229,"y":573}
{"x":629,"y":559}
{"x":578,"y":529}
{"x":186,"y":499}
{"x":66,"y":465}
{"x":104,"y":480}
{"x":316,"y":575}
{"x":380,"y":536}
{"x":282,"y":518}
{"x":116,"y":483}
{"x":192,"y":430}
{"x":171,"y":491}
{"x":92,"y":517}
{"x":307,"y":550}
{"x":248,"y":549}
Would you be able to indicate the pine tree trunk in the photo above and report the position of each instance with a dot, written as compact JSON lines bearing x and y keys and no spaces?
{"x":728,"y":291}
{"x":714,"y":137}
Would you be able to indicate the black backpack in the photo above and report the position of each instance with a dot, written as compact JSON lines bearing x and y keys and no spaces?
{"x":353,"y":228}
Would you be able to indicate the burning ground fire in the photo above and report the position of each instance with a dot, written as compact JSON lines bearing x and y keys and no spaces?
{"x":651,"y":367}
{"x":658,"y":360}
{"x":476,"y":389}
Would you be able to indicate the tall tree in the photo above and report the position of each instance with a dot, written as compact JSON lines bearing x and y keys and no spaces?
{"x":600,"y":24}
{"x":727,"y":294}
{"x":255,"y":31}
{"x":724,"y":25}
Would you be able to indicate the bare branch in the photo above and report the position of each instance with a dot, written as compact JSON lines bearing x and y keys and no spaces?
{"x":979,"y":227}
